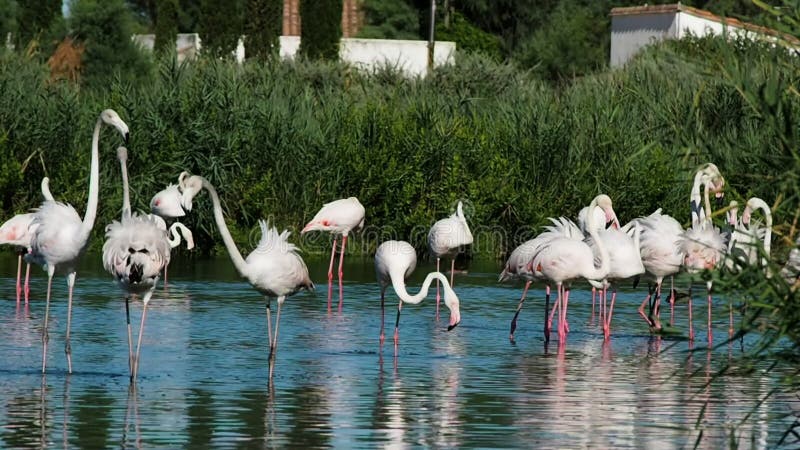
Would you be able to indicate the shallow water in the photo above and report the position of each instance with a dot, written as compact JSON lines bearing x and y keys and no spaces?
{"x":203,"y":374}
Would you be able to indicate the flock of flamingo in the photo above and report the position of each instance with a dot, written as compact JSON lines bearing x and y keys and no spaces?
{"x":598,"y":250}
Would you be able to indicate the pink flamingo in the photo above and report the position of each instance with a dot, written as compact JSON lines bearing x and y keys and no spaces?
{"x":338,"y":217}
{"x":61,"y":236}
{"x":394,"y":263}
{"x":703,"y":245}
{"x":166,"y":204}
{"x":18,"y":231}
{"x":274,"y":268}
{"x":564,"y":259}
{"x":446,"y":238}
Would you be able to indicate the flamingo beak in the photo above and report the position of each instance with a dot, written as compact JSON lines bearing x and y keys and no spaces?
{"x":455,"y":318}
{"x":127,"y":137}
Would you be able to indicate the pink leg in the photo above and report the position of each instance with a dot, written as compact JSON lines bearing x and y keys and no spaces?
{"x":165,"y":275}
{"x":710,"y":339}
{"x":19,"y":275}
{"x":383,"y":292}
{"x":67,"y":345}
{"x":546,"y":307}
{"x":641,"y":310}
{"x":145,"y":301}
{"x":594,"y":294}
{"x":438,"y":295}
{"x":566,"y":302}
{"x":657,"y":309}
{"x":341,"y":273}
{"x":671,"y":300}
{"x":397,"y":326}
{"x":519,"y":308}
{"x":730,"y":312}
{"x":27,"y":282}
{"x":610,"y":313}
{"x":452,"y":272}
{"x":330,"y":274}
{"x":273,"y":349}
{"x":553,"y":312}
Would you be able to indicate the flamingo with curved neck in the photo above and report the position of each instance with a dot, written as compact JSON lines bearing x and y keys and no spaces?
{"x":62,"y":236}
{"x":274,"y":268}
{"x":394,"y":263}
{"x":753,"y":204}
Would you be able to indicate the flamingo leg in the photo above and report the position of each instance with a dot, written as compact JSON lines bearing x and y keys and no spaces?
{"x":671,"y":300}
{"x":594,"y":294}
{"x":641,"y":310}
{"x":341,"y":273}
{"x":438,"y":294}
{"x":27,"y":288}
{"x":383,"y":315}
{"x":397,"y":326}
{"x":45,"y":335}
{"x":269,"y":323}
{"x":330,"y":273}
{"x":19,"y":275}
{"x":452,"y":272}
{"x":730,"y":313}
{"x":657,"y":307}
{"x":67,"y":345}
{"x":273,"y":349}
{"x":610,"y":313}
{"x":519,"y":308}
{"x":546,"y":308}
{"x":691,"y":329}
{"x":165,"y":275}
{"x":566,"y":302}
{"x":710,"y":333}
{"x":556,"y":305}
{"x":130,"y":338}
{"x":145,"y":301}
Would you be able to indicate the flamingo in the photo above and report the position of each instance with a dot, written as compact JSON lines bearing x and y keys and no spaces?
{"x":564,"y":259}
{"x":17,"y":231}
{"x":394,"y":263}
{"x":659,"y":247}
{"x":166,"y":204}
{"x":135,"y":251}
{"x":338,"y":217}
{"x":274,"y":268}
{"x":600,"y":220}
{"x":791,"y":270}
{"x":625,"y":262}
{"x":743,"y":244}
{"x":518,"y":265}
{"x":61,"y":236}
{"x":446,"y":238}
{"x":703,"y":245}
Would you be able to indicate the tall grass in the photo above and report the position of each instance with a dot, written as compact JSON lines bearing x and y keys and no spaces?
{"x":279,"y":140}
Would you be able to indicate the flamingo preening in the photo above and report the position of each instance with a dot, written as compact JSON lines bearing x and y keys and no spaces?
{"x":338,"y":217}
{"x":394,"y":263}
{"x":61,"y":237}
{"x":447,"y":237}
{"x":166,"y":204}
{"x":274,"y":268}
{"x":702,"y":245}
{"x":135,"y":251}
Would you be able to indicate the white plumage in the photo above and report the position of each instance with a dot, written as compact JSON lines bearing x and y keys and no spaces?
{"x":447,"y":237}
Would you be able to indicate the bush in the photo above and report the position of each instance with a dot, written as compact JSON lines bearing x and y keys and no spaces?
{"x":321,"y":29}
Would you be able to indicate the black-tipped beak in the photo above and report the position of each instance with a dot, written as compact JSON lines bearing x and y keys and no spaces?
{"x":636,"y":281}
{"x":720,"y":199}
{"x":127,"y":138}
{"x":450,"y":327}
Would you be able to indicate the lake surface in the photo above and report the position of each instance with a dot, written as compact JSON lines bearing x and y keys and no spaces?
{"x":203,"y":374}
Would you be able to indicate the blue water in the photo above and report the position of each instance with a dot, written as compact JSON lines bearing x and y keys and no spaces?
{"x":203,"y":373}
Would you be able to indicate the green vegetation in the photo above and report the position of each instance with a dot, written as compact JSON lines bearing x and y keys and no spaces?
{"x":220,"y":26}
{"x":166,"y":25}
{"x":263,"y":24}
{"x":321,"y":29}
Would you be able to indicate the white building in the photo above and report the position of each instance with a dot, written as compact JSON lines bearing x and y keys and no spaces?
{"x":409,"y":57}
{"x":637,"y":26}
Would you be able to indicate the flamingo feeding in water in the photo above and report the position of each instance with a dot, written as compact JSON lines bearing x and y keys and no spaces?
{"x":564,"y":259}
{"x":274,"y":268}
{"x":703,"y":246}
{"x":135,"y":251}
{"x":394,"y":263}
{"x":447,"y":237}
{"x":338,"y":217}
{"x":61,"y":236}
{"x":17,"y":231}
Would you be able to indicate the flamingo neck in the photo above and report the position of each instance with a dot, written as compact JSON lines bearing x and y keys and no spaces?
{"x":399,"y":285}
{"x":126,"y":194}
{"x":598,"y":273}
{"x":233,"y":251}
{"x":94,"y":184}
{"x":175,"y":237}
{"x":695,"y":199}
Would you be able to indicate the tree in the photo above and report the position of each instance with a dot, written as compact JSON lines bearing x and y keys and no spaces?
{"x":321,"y":28}
{"x":262,"y":28}
{"x":166,"y":25}
{"x":105,"y":28}
{"x":35,"y":18}
{"x":8,"y":19}
{"x":220,"y":26}
{"x":389,"y":19}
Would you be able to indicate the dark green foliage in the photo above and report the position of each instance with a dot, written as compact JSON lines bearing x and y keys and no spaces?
{"x":468,"y":37}
{"x":9,"y":9}
{"x":220,"y":27}
{"x":263,"y":23}
{"x":105,"y":27}
{"x":389,"y":19}
{"x":189,"y":16}
{"x":321,"y":28}
{"x":166,"y":25}
{"x":35,"y":18}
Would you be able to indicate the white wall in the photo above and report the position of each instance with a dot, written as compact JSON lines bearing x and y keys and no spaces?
{"x":630,"y":33}
{"x":411,"y":57}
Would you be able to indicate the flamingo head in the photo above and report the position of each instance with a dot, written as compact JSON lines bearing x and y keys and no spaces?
{"x":748,"y":212}
{"x":167,"y":203}
{"x":110,"y":117}
{"x":733,"y":212}
{"x":604,"y":202}
{"x":190,"y":186}
{"x":713,"y":178}
{"x":452,"y":303}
